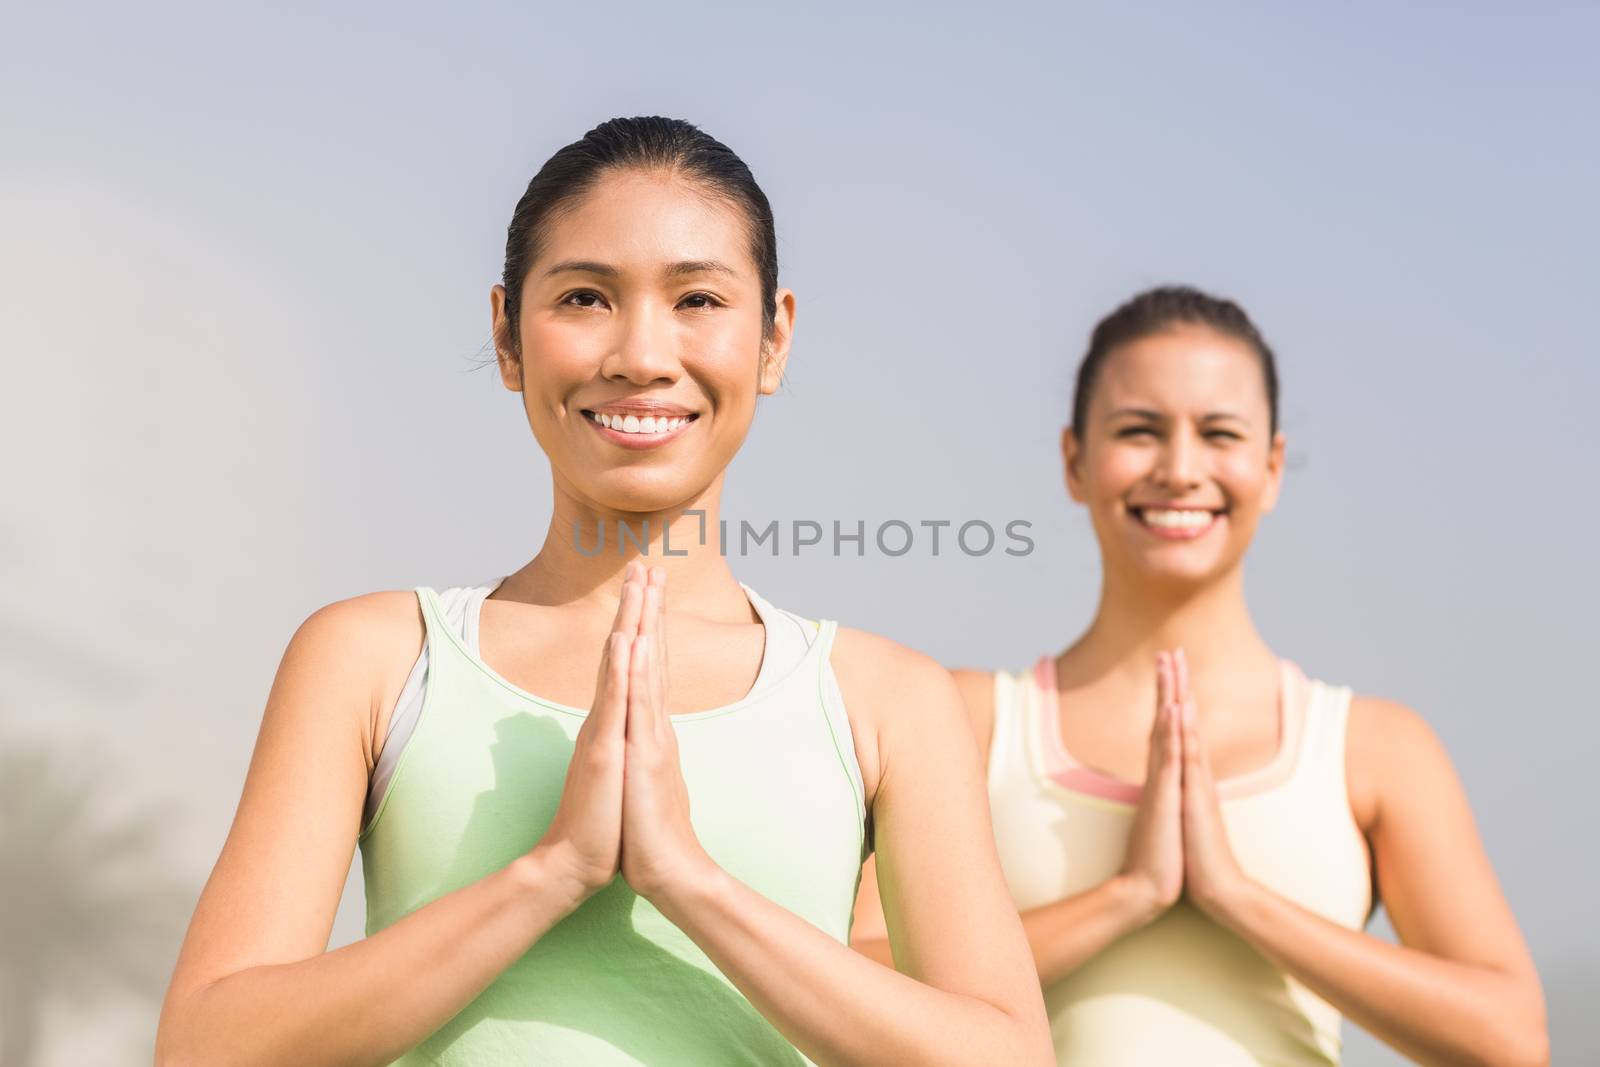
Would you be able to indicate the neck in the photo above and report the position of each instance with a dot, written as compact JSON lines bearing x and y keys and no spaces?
{"x":587,"y":546}
{"x":1137,"y":618}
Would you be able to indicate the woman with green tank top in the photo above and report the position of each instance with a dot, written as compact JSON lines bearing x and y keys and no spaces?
{"x":578,"y":860}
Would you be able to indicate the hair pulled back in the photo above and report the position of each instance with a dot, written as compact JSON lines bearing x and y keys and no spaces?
{"x":643,"y":143}
{"x":1156,"y":311}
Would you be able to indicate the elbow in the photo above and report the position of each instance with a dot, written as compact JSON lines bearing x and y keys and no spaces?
{"x":1030,"y":1038}
{"x":170,"y":1051}
{"x":1524,"y":1043}
{"x":167,"y":1052}
{"x":1529,"y":1048}
{"x":175,"y":1044}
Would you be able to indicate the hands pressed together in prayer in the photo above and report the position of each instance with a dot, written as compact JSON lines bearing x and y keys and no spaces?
{"x":625,"y":807}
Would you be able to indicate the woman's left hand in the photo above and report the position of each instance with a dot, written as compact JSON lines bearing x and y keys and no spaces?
{"x":1211,"y":875}
{"x":660,"y":851}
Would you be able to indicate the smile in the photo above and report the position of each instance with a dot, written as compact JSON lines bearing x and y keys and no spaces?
{"x":638,"y":431}
{"x":1177,"y":524}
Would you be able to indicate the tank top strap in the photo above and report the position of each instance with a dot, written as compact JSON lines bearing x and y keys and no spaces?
{"x":837,"y":719}
{"x":1326,"y":718}
{"x":1008,"y":730}
{"x":433,"y":619}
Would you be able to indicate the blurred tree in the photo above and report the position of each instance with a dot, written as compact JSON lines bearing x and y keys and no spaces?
{"x":87,"y":910}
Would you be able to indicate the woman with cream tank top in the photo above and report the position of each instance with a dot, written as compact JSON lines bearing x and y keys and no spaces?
{"x":1062,"y":828}
{"x":611,"y":809}
{"x":1193,"y":829}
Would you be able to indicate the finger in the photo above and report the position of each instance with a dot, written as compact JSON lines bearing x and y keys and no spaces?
{"x":1196,"y":765}
{"x":1164,"y":695}
{"x":650,"y":627}
{"x":1180,"y":666}
{"x":631,"y":604}
{"x":628,"y":570}
{"x":650,"y":605}
{"x":611,"y":694}
{"x":1175,"y":736}
{"x":658,"y":579}
{"x":650,"y":609}
{"x":1161,"y":742}
{"x":639,"y":724}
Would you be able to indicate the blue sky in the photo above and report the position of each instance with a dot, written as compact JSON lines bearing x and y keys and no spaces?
{"x":247,"y":264}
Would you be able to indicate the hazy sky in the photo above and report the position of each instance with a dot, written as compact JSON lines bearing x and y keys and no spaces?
{"x":245,"y":270}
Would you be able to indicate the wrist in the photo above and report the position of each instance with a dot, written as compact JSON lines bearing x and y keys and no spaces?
{"x":544,"y":874}
{"x":692,"y":886}
{"x":1137,"y":899}
{"x":1230,"y":902}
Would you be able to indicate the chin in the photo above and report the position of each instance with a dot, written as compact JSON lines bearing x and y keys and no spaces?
{"x":641,"y":491}
{"x":1194,"y":570}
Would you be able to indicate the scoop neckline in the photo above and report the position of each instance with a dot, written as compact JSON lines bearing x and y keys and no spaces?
{"x":756,"y":692}
{"x":1058,"y":769}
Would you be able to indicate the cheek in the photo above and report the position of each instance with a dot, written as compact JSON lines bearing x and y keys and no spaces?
{"x":1115,"y":470}
{"x":727,"y":360}
{"x":1243,"y":477}
{"x":559,"y":350}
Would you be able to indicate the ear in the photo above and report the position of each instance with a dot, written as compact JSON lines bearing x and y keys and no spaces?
{"x":1269,"y":493}
{"x":1072,"y":460}
{"x":775,"y":351}
{"x":505,"y":352}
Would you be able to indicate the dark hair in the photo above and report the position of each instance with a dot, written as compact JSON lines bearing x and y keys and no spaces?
{"x":1155,"y":311}
{"x":645,"y":143}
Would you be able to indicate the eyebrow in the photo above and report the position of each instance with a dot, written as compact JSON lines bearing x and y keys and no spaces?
{"x":1156,"y":416}
{"x":674,"y":270}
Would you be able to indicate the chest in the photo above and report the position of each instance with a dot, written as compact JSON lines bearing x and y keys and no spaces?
{"x":555,"y":653}
{"x":1108,"y":730}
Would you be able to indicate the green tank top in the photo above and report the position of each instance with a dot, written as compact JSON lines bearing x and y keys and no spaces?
{"x":775,"y":799}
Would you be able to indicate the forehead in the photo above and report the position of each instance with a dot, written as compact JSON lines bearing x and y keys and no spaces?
{"x":638,"y":218}
{"x":1185,"y":370}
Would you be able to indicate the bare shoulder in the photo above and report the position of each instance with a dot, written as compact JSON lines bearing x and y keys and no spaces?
{"x":977,"y":694}
{"x":895,"y":695}
{"x":1390,"y":747}
{"x":275,"y":888}
{"x":888,"y":678}
{"x":369,"y":642}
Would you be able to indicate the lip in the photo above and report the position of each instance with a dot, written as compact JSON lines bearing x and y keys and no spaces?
{"x":639,"y":441}
{"x":640,"y":407}
{"x":1181,"y":533}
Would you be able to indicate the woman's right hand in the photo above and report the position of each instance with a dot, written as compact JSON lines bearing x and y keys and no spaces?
{"x":1153,"y":866}
{"x":584,"y":841}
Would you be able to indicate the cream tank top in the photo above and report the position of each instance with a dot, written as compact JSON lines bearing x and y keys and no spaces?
{"x":1181,"y":989}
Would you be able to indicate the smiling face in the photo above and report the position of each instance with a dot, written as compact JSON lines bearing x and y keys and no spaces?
{"x":1175,"y":462}
{"x":641,"y":348}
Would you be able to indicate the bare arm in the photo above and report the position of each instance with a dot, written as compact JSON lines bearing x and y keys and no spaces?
{"x":1065,"y":933}
{"x":1461,"y":988}
{"x":1061,"y":935}
{"x":967,"y":994}
{"x":253,"y":982}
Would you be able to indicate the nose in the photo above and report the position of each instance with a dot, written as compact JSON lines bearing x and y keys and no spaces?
{"x":1178,"y":463}
{"x":645,"y":350}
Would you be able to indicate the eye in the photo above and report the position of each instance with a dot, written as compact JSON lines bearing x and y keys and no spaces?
{"x":699,"y":301}
{"x":582,"y":298}
{"x":1226,"y":435}
{"x":1134,"y":431}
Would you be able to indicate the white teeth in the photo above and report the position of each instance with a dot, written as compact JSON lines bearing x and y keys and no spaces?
{"x":636,"y":424}
{"x":1172,"y":519}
